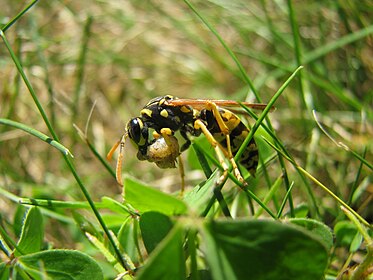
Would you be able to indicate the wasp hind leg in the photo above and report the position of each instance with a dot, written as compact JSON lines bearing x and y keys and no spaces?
{"x":225,"y":130}
{"x":198,"y":124}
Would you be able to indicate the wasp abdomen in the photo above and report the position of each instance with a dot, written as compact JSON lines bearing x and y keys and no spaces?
{"x":237,"y":133}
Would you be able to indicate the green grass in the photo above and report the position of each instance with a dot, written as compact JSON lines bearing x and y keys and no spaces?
{"x":72,"y":74}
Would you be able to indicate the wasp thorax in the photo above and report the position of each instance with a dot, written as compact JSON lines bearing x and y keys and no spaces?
{"x":162,"y":153}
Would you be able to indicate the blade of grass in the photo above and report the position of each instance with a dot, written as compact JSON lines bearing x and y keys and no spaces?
{"x":66,"y":158}
{"x":270,"y":194}
{"x":356,"y":181}
{"x":18,"y":16}
{"x":287,"y":195}
{"x":361,"y":269}
{"x":7,"y":240}
{"x":202,"y":161}
{"x":37,"y":134}
{"x":230,"y":52}
{"x":318,"y":183}
{"x":105,"y":252}
{"x":84,"y":137}
{"x":242,"y":71}
{"x":341,"y":144}
{"x":80,"y":66}
{"x":343,"y":41}
{"x":92,"y":148}
{"x":264,"y":114}
{"x":281,"y":146}
{"x":28,"y":84}
{"x":238,"y":183}
{"x":37,"y":37}
{"x":306,"y":101}
{"x":17,"y":82}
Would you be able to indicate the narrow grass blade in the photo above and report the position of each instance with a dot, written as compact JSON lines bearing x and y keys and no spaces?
{"x":317,"y":182}
{"x":37,"y":134}
{"x":80,"y":66}
{"x":230,"y":52}
{"x":17,"y":17}
{"x":104,"y":162}
{"x":66,"y":158}
{"x":264,"y":114}
{"x":341,"y":144}
{"x":238,"y":183}
{"x":361,"y":269}
{"x":269,"y":195}
{"x":284,"y":201}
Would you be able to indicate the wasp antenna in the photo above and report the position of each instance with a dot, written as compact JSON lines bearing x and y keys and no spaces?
{"x":115,"y":146}
{"x":113,"y":149}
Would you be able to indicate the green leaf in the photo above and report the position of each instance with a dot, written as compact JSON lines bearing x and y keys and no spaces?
{"x":106,"y":252}
{"x":61,"y":264}
{"x":300,"y":211}
{"x":145,"y":199}
{"x":167,"y":260}
{"x":319,"y":229}
{"x":356,"y":242}
{"x":154,"y":228}
{"x":345,"y":232}
{"x":18,"y":219}
{"x":201,"y":194}
{"x":264,"y":250}
{"x":194,"y":159}
{"x":4,"y":271}
{"x":32,"y":234}
{"x":127,"y":237}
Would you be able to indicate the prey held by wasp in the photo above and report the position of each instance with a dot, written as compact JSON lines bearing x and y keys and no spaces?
{"x":153,"y":132}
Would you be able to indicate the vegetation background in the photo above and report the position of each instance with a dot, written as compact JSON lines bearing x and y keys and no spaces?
{"x":94,"y":64}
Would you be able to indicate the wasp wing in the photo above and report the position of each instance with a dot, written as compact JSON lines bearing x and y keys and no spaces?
{"x":200,"y":104}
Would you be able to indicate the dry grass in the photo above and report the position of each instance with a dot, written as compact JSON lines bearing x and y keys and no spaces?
{"x":132,"y":51}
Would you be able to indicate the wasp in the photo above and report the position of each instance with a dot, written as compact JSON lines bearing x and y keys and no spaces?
{"x":153,"y":132}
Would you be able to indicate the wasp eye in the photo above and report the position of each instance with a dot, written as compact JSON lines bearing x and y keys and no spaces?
{"x":137,"y":132}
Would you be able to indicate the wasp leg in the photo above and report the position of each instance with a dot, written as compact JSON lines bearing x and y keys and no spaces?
{"x":219,"y":119}
{"x":235,"y":169}
{"x":156,"y":135}
{"x":182,"y":176}
{"x":198,"y":124}
{"x":224,"y":129}
{"x":187,"y":143}
{"x":118,"y":169}
{"x":166,"y":132}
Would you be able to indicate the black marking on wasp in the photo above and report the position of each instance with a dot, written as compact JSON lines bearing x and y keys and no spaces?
{"x":167,"y":114}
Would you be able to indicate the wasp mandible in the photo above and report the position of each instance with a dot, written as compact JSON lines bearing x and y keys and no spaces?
{"x":166,"y":115}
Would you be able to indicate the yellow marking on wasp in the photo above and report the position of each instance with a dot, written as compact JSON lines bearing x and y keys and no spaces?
{"x":156,"y":135}
{"x":215,"y":110}
{"x":166,"y":132}
{"x":146,"y":112}
{"x":164,"y":113}
{"x":231,"y":120}
{"x":185,"y":109}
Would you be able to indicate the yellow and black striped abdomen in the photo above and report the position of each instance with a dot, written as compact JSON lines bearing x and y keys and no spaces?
{"x":237,"y":133}
{"x":250,"y":156}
